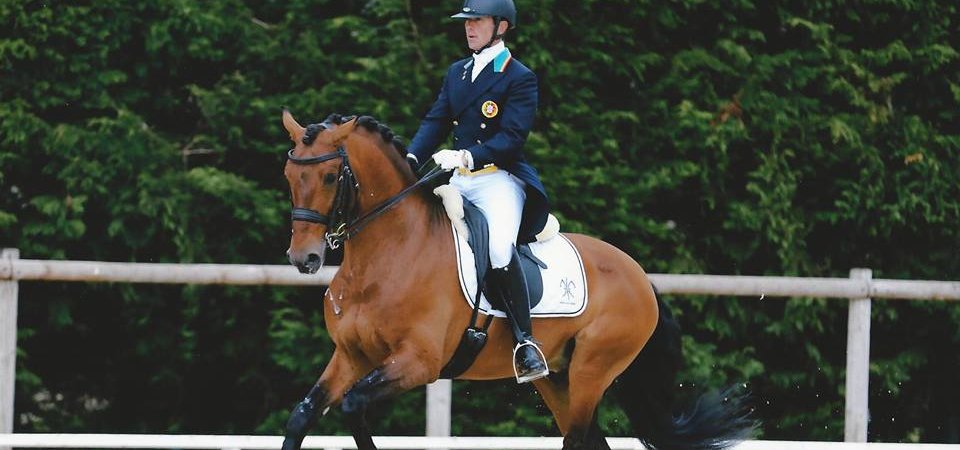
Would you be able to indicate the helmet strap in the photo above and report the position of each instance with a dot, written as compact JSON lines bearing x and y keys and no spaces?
{"x":496,"y":35}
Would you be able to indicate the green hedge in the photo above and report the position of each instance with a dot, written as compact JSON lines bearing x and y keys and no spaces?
{"x":799,"y":137}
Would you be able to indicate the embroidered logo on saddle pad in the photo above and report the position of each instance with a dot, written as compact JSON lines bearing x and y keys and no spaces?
{"x":564,"y":280}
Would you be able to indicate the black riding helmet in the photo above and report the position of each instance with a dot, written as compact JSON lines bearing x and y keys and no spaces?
{"x":503,"y":9}
{"x":498,"y":9}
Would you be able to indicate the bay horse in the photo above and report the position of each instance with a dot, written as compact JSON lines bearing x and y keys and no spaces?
{"x":396,"y":313}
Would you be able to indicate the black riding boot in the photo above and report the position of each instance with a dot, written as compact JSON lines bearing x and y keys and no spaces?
{"x":511,"y":285}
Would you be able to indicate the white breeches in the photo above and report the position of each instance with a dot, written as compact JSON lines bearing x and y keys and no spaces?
{"x":500,"y":197}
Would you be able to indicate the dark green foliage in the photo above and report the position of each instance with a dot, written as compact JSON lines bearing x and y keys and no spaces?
{"x":729,"y":137}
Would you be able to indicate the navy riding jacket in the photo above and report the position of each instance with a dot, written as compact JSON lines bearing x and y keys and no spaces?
{"x":490,"y":117}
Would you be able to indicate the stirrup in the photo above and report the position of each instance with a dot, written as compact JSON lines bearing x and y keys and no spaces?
{"x":533,"y":376}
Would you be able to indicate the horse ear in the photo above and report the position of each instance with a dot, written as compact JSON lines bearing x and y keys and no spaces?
{"x":341,"y":132}
{"x":294,"y":128}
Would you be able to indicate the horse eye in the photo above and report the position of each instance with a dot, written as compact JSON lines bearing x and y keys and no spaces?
{"x":329,"y":178}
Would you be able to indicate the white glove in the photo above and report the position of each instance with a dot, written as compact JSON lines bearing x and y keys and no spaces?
{"x":452,"y":159}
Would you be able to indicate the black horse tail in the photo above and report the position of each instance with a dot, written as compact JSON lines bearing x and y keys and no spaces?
{"x":646,"y":390}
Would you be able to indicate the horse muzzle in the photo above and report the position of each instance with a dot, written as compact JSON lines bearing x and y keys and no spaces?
{"x":308,"y":262}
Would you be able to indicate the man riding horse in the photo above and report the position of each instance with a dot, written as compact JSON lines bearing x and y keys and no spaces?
{"x":489,"y":101}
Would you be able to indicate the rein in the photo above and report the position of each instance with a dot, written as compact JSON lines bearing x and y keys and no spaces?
{"x":345,"y":200}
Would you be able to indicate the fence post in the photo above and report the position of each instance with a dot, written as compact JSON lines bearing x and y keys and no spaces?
{"x":857,"y":414}
{"x":8,"y":337}
{"x":439,"y":401}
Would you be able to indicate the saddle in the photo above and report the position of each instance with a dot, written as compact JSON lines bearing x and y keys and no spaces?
{"x":557,"y":292}
{"x":478,"y":238}
{"x":469,"y":221}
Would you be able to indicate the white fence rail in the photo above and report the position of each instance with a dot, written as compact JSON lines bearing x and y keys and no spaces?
{"x":860,"y":288}
{"x":188,"y":442}
{"x":13,"y":268}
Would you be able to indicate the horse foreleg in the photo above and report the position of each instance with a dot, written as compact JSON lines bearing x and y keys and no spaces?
{"x":396,"y":375}
{"x":303,"y":416}
{"x":326,"y":392}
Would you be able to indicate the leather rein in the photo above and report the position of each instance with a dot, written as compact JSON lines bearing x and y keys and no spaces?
{"x":341,"y":221}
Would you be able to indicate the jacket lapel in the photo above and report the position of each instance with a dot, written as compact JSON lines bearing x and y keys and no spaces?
{"x":460,"y":87}
{"x":471,"y":90}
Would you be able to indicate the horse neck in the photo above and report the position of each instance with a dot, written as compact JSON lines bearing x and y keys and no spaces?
{"x":403,"y":227}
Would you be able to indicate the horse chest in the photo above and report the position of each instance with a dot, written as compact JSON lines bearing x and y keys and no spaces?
{"x":362,"y":318}
{"x":357,"y":326}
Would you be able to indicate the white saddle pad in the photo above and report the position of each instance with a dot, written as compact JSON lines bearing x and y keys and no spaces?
{"x":564,"y":280}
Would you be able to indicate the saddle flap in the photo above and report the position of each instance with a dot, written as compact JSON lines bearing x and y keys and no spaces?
{"x":478,"y":238}
{"x":531,"y":266}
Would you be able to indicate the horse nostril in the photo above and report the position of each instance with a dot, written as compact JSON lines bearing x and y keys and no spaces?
{"x":313,"y":258}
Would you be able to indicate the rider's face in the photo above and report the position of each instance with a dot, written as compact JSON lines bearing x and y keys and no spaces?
{"x":479,"y":30}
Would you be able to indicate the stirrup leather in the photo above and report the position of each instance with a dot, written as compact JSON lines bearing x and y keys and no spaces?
{"x":534,"y":376}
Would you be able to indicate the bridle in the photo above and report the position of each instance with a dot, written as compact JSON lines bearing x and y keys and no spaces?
{"x":343,"y":202}
{"x":341,"y":221}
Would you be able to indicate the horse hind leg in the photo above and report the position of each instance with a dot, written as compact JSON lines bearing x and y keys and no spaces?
{"x":590,"y":374}
{"x":600,"y":355}
{"x":593,"y":439}
{"x":555,"y":393}
{"x":583,"y":432}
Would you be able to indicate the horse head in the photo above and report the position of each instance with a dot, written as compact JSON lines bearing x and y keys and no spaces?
{"x":321,"y":188}
{"x":324,"y":169}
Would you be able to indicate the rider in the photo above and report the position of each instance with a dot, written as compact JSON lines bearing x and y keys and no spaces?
{"x":489,"y":101}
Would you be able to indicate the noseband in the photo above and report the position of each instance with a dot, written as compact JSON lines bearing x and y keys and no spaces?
{"x":340,"y":218}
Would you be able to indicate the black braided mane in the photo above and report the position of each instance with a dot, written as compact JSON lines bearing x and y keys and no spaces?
{"x":437,"y":212}
{"x":368,"y":123}
{"x":313,"y":130}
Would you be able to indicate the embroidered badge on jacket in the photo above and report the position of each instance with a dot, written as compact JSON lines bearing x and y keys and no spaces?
{"x":489,"y":109}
